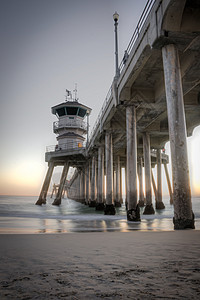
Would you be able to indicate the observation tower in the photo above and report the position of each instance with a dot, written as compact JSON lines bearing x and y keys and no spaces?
{"x":71,"y":127}
{"x":72,"y":136}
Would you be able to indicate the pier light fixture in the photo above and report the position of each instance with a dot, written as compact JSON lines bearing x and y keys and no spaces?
{"x":116,"y":18}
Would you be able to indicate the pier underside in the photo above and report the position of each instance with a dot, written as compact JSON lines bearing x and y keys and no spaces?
{"x":154,"y":99}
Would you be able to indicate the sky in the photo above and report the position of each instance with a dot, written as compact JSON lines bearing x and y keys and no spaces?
{"x":46,"y":47}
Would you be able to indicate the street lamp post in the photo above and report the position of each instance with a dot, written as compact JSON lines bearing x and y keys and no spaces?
{"x":116,"y":18}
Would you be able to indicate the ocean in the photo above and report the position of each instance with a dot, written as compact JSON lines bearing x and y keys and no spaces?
{"x":20,"y":215}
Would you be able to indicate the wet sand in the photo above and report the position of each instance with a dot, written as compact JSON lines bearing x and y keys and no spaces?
{"x":133,"y":265}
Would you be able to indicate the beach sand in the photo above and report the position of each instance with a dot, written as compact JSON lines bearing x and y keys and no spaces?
{"x":110,"y":265}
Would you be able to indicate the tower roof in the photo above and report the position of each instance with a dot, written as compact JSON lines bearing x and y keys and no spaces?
{"x":70,"y":104}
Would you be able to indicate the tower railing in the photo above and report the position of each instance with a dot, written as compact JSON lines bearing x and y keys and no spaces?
{"x":70,"y":123}
{"x":71,"y":145}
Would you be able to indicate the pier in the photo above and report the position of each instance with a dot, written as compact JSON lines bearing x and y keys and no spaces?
{"x":154,"y":98}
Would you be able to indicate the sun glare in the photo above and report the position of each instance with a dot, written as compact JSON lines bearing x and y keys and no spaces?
{"x":195,"y":161}
{"x":23,"y":179}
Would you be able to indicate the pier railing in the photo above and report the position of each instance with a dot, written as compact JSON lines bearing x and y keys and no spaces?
{"x":134,"y":37}
{"x":104,"y":106}
{"x":138,"y":28}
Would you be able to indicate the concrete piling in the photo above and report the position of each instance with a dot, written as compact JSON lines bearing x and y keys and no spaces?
{"x":149,"y":210}
{"x":93,"y":183}
{"x":118,"y":184}
{"x":159,"y":202}
{"x":183,"y":215}
{"x":87,"y":197}
{"x":133,"y":212}
{"x":109,"y":208}
{"x":154,"y":186}
{"x":100,"y":184}
{"x":140,"y":178}
{"x":45,"y":187}
{"x":168,"y":183}
{"x":57,"y":201}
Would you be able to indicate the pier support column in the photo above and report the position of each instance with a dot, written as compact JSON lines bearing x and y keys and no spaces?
{"x":82,"y":186}
{"x":140,"y":177}
{"x":87,"y":184}
{"x":121,"y":196}
{"x":54,"y":190}
{"x":125,"y":173}
{"x":109,"y":209}
{"x":93,"y":184}
{"x":45,"y":187}
{"x":154,"y":186}
{"x":57,"y":201}
{"x":100,"y":184}
{"x":77,"y":187}
{"x":183,"y":214}
{"x":114,"y":183}
{"x":159,"y":202}
{"x":133,"y":212}
{"x":118,"y":184}
{"x":96,"y":178}
{"x":168,"y":183}
{"x":74,"y":186}
{"x":149,"y":210}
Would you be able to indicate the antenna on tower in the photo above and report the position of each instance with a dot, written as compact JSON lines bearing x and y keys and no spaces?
{"x":68,"y":95}
{"x":75,"y":93}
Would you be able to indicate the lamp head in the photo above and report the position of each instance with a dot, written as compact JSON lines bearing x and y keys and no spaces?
{"x":115,"y":17}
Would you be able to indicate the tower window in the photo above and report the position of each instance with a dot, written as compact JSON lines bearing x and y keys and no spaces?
{"x":72,"y":111}
{"x":81,"y":112}
{"x":61,"y":112}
